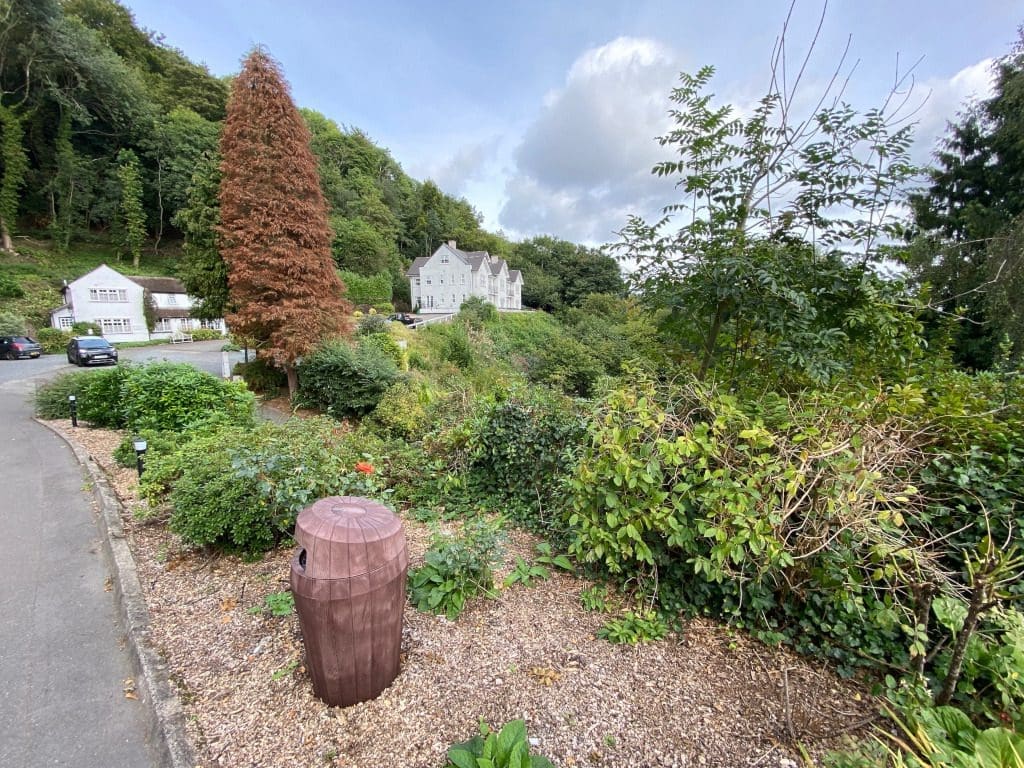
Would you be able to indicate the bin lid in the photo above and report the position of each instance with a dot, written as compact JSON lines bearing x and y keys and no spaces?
{"x":346,"y":536}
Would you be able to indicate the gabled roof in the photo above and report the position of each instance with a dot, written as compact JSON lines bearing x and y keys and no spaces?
{"x":414,"y":269}
{"x":477,"y":259}
{"x":159,"y":284}
{"x":515,"y":274}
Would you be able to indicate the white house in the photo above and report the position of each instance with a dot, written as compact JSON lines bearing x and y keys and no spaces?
{"x":441,"y":282}
{"x":116,"y":303}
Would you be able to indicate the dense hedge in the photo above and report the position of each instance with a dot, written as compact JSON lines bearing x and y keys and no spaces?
{"x":343,"y":380}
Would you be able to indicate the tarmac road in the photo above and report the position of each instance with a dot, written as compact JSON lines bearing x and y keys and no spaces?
{"x":62,"y":663}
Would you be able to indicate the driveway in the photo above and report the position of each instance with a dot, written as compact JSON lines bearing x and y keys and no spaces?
{"x":205,"y":355}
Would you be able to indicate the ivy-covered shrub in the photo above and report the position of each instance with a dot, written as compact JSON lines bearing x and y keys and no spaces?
{"x":523,"y":446}
{"x":51,"y":399}
{"x":169,"y":396}
{"x":53,"y":340}
{"x":345,"y":381}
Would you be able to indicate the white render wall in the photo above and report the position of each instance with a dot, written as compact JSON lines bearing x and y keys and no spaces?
{"x":129,"y":320}
{"x":446,"y":280}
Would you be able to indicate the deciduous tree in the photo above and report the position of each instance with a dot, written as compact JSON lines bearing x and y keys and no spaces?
{"x":275,"y":236}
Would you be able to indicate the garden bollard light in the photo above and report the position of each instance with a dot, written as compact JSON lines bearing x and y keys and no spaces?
{"x":73,"y":404}
{"x":140,"y":452}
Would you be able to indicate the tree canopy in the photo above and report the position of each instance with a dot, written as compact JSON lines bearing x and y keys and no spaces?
{"x":275,"y":238}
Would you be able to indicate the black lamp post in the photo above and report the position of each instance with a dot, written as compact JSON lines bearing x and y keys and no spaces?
{"x":73,"y":404}
{"x":140,"y":452}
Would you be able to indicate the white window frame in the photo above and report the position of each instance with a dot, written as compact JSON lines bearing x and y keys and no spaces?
{"x":172,"y":300}
{"x":65,"y":322}
{"x":162,"y":325}
{"x":115,"y":326}
{"x":109,"y":295}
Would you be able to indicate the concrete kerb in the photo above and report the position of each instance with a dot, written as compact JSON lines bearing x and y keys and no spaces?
{"x":166,"y":717}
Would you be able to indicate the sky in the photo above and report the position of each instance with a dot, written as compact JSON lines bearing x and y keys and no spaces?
{"x":544,"y":114}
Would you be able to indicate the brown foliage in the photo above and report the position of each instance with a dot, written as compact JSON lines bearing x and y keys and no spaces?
{"x":275,"y":235}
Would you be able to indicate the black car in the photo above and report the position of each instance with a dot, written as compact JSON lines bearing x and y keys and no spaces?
{"x":403,"y":317}
{"x":13,"y":347}
{"x":85,"y":350}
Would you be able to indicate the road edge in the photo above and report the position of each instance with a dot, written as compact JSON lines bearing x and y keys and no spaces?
{"x":166,"y":716}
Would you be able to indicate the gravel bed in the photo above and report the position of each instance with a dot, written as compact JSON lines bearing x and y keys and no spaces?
{"x":709,"y":696}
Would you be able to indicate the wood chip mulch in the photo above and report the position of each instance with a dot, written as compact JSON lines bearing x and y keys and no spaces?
{"x":709,"y":696}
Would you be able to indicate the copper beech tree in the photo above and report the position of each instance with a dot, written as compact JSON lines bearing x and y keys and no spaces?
{"x":283,"y":290}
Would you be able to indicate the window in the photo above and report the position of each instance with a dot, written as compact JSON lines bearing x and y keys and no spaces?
{"x":172,"y":299}
{"x":210,"y":325}
{"x":417,"y":281}
{"x":66,"y":322}
{"x":428,"y":281}
{"x":462,"y":280}
{"x":108,"y":294}
{"x":441,"y":281}
{"x":163,"y":325}
{"x":115,"y":325}
{"x":444,"y":258}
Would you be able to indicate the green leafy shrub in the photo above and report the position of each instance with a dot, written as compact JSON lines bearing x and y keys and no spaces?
{"x":476,"y":312}
{"x":86,"y":329}
{"x":51,"y":399}
{"x":343,"y":381}
{"x":370,"y":325}
{"x":102,"y":402}
{"x":404,"y":410}
{"x":386,"y":344}
{"x":262,"y":377}
{"x":12,"y":323}
{"x":568,"y":366}
{"x":523,"y":446}
{"x":455,"y":569}
{"x":509,"y":748}
{"x":53,"y":340}
{"x":240,"y":489}
{"x":205,"y":334}
{"x":458,"y":350}
{"x":9,"y":289}
{"x":370,"y":291}
{"x":169,"y":396}
{"x":157,"y":444}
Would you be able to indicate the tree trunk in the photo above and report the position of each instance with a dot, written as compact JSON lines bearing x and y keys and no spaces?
{"x":956,"y":661}
{"x":5,"y":236}
{"x":293,"y":380}
{"x":709,"y":351}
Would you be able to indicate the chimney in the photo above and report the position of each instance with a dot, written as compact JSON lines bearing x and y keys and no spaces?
{"x":451,"y":244}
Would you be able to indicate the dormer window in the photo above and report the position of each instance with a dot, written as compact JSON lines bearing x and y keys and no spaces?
{"x":444,"y":258}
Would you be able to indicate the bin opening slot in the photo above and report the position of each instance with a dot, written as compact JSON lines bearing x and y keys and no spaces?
{"x":302,"y":559}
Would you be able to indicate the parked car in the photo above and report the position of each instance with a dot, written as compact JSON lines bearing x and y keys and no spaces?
{"x":403,"y":317}
{"x":13,"y":347}
{"x":85,"y":350}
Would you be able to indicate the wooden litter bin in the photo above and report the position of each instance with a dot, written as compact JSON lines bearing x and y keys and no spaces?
{"x":348,"y":579}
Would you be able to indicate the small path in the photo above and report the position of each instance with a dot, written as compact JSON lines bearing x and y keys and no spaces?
{"x":62,"y":659}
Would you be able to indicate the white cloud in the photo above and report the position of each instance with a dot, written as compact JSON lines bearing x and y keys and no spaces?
{"x":947,"y":97}
{"x":584,"y":164}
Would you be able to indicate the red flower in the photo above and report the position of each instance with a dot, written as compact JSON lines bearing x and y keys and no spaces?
{"x":365,"y":467}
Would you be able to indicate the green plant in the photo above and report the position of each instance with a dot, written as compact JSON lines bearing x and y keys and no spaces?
{"x":634,"y":627}
{"x":168,"y":396}
{"x":157,"y":444}
{"x":508,"y":748}
{"x":455,"y":569}
{"x":262,"y":377}
{"x":102,"y":402}
{"x":51,"y":398}
{"x":596,"y":598}
{"x":280,"y":603}
{"x":526,"y":573}
{"x":11,"y":323}
{"x":206,"y":334}
{"x":53,"y":340}
{"x":240,"y":489}
{"x":9,"y":289}
{"x":343,"y":381}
